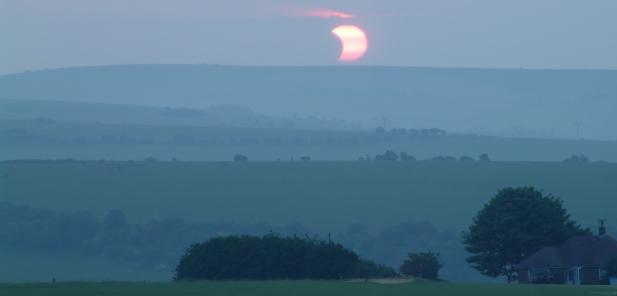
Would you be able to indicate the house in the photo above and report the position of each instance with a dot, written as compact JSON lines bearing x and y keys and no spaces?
{"x":580,"y":260}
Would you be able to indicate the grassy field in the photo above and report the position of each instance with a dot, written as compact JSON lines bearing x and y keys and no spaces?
{"x":31,"y":267}
{"x":325,"y":196}
{"x":307,"y":288}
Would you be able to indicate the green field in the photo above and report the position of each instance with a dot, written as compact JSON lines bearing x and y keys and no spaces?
{"x":324,"y":196}
{"x":32,"y":267}
{"x":308,"y":288}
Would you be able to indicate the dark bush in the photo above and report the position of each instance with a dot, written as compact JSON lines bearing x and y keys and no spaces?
{"x":387,"y":156}
{"x":577,"y":159}
{"x":271,"y":257}
{"x":367,"y":269}
{"x":484,"y":157}
{"x":407,"y":157}
{"x":424,"y":265}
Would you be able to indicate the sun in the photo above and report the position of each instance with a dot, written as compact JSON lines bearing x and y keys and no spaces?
{"x":354,"y":41}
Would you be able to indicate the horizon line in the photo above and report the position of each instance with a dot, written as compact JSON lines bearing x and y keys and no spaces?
{"x":306,"y":66}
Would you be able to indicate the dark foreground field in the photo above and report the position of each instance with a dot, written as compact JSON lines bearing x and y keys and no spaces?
{"x":295,"y":288}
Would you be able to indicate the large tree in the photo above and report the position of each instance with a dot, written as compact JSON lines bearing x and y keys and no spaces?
{"x":514,"y":224}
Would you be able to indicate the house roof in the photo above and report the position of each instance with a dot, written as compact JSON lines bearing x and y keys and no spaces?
{"x":583,"y":250}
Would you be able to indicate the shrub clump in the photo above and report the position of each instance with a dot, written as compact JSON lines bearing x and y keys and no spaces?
{"x":272,"y":257}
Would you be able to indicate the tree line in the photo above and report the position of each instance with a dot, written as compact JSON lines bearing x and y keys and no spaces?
{"x":391,"y":155}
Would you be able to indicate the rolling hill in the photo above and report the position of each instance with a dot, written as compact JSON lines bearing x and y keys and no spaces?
{"x":216,"y":115}
{"x":45,"y":138}
{"x":524,"y":103}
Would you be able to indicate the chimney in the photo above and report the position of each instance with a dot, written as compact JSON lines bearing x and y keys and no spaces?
{"x":602,"y":229}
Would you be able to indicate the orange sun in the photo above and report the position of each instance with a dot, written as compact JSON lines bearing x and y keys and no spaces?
{"x":354,"y":41}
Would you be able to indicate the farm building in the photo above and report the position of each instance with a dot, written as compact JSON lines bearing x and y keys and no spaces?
{"x":580,"y":261}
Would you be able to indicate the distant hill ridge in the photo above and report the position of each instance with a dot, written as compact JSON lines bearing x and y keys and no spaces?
{"x":216,"y":115}
{"x":517,"y":102}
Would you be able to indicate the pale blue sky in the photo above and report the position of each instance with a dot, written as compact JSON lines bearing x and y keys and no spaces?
{"x":445,"y":33}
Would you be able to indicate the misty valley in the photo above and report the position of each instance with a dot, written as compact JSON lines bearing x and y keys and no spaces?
{"x":233,"y":180}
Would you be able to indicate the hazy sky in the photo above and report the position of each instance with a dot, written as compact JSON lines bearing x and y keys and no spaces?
{"x":447,"y":33}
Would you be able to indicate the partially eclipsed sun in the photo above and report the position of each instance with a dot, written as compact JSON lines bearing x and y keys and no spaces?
{"x":354,"y":42}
